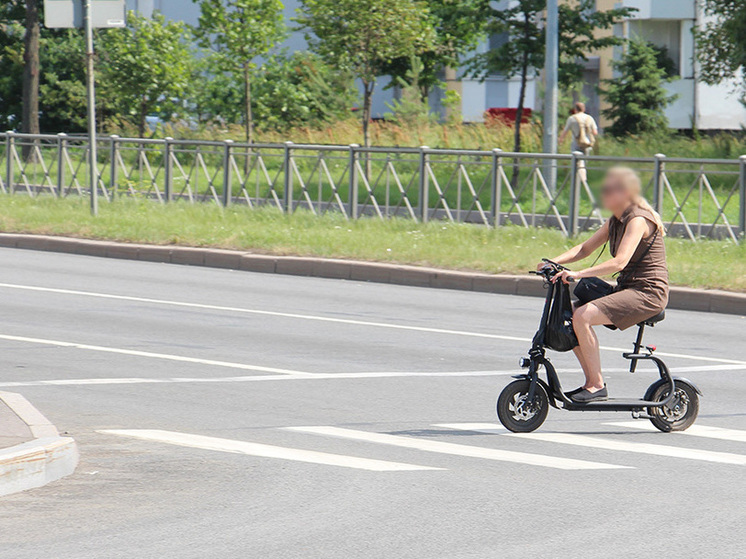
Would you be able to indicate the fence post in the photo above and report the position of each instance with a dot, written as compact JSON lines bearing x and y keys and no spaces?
{"x":287,"y":195}
{"x":168,"y":169}
{"x":496,"y":187}
{"x":574,"y":206}
{"x":658,"y":189}
{"x":353,"y":181}
{"x":424,"y":201}
{"x":742,"y":198}
{"x":113,"y":169}
{"x":10,"y":146}
{"x":61,"y":146}
{"x":227,"y":177}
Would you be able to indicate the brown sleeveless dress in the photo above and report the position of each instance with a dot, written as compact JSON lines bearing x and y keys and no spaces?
{"x":642,"y":287}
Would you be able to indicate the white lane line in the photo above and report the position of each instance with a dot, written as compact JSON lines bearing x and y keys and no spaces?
{"x":329,"y":319}
{"x":719,"y":433}
{"x":609,"y":444}
{"x":317,"y":376}
{"x":265,"y":451}
{"x":258,"y":378}
{"x":458,"y":449}
{"x":152,"y":355}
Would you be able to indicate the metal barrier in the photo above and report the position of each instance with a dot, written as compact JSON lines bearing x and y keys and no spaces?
{"x":697,"y":198}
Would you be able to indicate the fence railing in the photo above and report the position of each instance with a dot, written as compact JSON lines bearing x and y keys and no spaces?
{"x":696,"y":197}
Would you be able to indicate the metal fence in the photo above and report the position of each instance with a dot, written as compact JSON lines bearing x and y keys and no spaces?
{"x":696,"y":197}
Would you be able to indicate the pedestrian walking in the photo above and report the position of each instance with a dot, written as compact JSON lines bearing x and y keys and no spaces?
{"x":584,"y":131}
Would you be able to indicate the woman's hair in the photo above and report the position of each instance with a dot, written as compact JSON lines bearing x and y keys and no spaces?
{"x":631,"y":182}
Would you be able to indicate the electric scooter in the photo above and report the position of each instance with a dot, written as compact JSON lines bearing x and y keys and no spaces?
{"x":670,"y":403}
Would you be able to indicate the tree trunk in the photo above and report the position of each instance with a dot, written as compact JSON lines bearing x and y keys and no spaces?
{"x":518,"y":119}
{"x":368,"y":88}
{"x":30,"y":116}
{"x":142,"y":120}
{"x":247,"y":108}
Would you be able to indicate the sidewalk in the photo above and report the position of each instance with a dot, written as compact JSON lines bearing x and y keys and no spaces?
{"x":32,"y":453}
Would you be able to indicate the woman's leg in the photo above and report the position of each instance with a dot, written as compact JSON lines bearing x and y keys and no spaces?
{"x":584,"y":319}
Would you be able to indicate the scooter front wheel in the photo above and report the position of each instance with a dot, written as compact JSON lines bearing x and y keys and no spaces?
{"x":680,"y":413}
{"x":516,"y":413}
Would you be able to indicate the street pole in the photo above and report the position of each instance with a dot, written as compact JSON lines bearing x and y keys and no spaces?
{"x":91,"y":93}
{"x":552,"y":90}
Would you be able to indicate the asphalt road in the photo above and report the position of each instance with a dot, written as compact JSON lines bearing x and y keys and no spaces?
{"x":180,"y":385}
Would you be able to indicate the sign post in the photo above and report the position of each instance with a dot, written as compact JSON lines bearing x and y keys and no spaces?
{"x":552,"y":92}
{"x":81,"y":13}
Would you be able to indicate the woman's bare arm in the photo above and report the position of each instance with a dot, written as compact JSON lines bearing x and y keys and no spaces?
{"x":578,"y":252}
{"x":636,"y":229}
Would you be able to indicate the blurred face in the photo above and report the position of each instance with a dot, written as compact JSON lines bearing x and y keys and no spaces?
{"x":614,"y":196}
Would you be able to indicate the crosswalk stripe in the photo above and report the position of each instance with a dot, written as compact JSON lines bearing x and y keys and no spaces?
{"x":608,"y":444}
{"x":719,"y":433}
{"x":458,"y":449}
{"x":264,"y":450}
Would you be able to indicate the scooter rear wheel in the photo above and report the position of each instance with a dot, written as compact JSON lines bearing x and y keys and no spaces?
{"x":680,"y":413}
{"x":514,"y":410}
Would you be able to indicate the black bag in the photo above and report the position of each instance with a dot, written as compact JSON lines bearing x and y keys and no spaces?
{"x":559,"y":334}
{"x":590,"y":289}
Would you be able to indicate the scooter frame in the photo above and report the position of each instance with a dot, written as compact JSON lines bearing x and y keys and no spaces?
{"x":537,"y":359}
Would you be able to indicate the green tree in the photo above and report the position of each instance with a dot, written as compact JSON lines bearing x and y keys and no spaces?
{"x":637,"y":97}
{"x":145,"y":67}
{"x":239,"y":31}
{"x":519,"y":34}
{"x":62,"y":90}
{"x":458,"y":27}
{"x":721,"y":43}
{"x":301,"y":90}
{"x":363,"y":37}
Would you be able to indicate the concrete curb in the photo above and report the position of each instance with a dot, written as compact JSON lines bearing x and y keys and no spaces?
{"x":683,"y":298}
{"x":35,"y":463}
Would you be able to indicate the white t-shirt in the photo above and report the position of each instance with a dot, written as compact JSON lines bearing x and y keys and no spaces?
{"x":581,"y":124}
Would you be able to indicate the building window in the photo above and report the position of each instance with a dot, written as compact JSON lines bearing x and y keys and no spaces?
{"x":664,"y":34}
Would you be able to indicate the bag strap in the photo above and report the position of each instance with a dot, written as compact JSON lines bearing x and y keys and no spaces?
{"x":603,"y":249}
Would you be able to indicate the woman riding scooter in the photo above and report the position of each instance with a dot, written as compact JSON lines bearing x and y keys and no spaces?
{"x":634,"y":234}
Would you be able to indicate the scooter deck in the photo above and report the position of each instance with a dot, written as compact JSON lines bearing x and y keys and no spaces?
{"x":612,"y":404}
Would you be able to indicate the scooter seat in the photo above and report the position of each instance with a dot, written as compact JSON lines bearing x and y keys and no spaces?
{"x":653,"y":319}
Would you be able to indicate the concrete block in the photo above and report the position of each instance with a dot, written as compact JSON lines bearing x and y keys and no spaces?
{"x":258,"y":263}
{"x":122,"y":250}
{"x":335,"y":269}
{"x":38,"y":242}
{"x":295,"y":265}
{"x":506,"y":285}
{"x":530,"y":287}
{"x":188,"y":256}
{"x":370,"y":271}
{"x":229,"y":259}
{"x":91,"y":248}
{"x":689,"y":299}
{"x":452,"y":280}
{"x":728,"y":303}
{"x":409,"y":275}
{"x":154,"y":253}
{"x":9,"y":240}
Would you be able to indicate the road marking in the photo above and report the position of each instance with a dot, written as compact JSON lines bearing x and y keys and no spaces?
{"x":719,"y":433}
{"x":312,"y":376}
{"x":458,"y":449}
{"x":329,"y":319}
{"x":265,"y":451}
{"x":153,"y":355}
{"x":608,"y":444}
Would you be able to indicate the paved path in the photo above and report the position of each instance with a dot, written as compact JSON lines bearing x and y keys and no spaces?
{"x":225,"y":414}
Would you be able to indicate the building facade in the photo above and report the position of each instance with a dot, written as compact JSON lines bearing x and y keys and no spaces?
{"x":665,"y":23}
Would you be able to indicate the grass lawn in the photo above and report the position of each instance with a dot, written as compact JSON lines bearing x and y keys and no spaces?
{"x":712,"y":264}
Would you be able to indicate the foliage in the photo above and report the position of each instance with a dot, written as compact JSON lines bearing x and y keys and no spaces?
{"x":145,"y":67}
{"x":363,"y":37}
{"x":237,"y":32}
{"x":637,"y":97}
{"x":721,"y":42}
{"x":520,"y":31}
{"x":458,"y":27}
{"x":301,"y":90}
{"x":410,"y":109}
{"x":62,"y":90}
